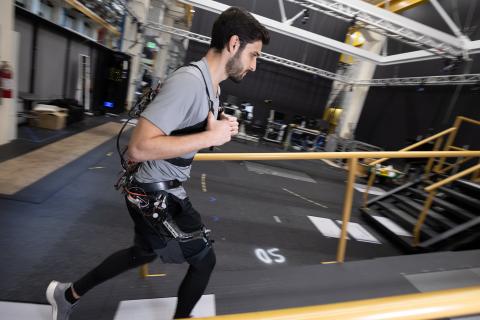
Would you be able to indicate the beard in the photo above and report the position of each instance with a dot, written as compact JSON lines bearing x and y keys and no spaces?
{"x":234,"y":68}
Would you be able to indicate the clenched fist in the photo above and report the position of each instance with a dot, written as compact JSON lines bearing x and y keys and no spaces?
{"x":220,"y":130}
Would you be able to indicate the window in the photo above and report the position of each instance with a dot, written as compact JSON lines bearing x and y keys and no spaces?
{"x":87,"y":30}
{"x":46,"y":9}
{"x":69,"y":21}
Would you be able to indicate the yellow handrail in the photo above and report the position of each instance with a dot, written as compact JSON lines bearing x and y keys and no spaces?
{"x":451,"y":138}
{"x":427,"y":305}
{"x":457,"y":176}
{"x":457,"y":148}
{"x":331,"y":155}
{"x":419,"y":143}
{"x":472,"y":121}
{"x":456,"y":164}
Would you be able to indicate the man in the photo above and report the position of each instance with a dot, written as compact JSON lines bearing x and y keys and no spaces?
{"x":180,"y":121}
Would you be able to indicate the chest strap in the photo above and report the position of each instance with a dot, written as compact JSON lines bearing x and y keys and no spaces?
{"x":199,"y":127}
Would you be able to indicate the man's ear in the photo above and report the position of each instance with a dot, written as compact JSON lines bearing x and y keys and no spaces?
{"x":233,"y":44}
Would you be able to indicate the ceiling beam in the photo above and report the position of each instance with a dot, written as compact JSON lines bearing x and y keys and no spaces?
{"x":342,"y":47}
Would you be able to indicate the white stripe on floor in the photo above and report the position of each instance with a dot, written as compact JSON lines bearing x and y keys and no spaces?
{"x":359,"y":233}
{"x":146,"y":309}
{"x":327,"y":227}
{"x":162,"y":308}
{"x":24,"y":311}
{"x":306,"y":199}
{"x":277,"y":219}
{"x":373,"y":190}
{"x":392,"y":226}
{"x":276,"y":171}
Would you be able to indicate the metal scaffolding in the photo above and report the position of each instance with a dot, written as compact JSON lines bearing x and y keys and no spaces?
{"x":410,"y":81}
{"x":437,"y":44}
{"x":264,"y":56}
{"x":390,"y":24}
{"x":420,"y":81}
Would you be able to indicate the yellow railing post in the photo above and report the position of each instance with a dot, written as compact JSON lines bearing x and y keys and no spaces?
{"x":144,"y":273}
{"x":456,"y":164}
{"x":371,"y":180}
{"x":422,"y":217}
{"x":476,"y":174}
{"x":347,"y":209}
{"x":436,"y":147}
{"x":451,"y":138}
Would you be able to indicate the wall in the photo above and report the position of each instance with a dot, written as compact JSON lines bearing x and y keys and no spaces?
{"x":9,"y":40}
{"x":49,"y":56}
{"x":393,"y":117}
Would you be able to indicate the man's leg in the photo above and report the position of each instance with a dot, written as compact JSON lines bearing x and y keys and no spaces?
{"x":114,"y":265}
{"x":194,"y":284}
{"x":62,"y":296}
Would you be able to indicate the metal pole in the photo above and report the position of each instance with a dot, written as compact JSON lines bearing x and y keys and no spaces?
{"x":447,"y":19}
{"x":347,"y":209}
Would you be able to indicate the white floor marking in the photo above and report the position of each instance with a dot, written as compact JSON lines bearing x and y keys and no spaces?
{"x":327,"y":227}
{"x":306,"y":199}
{"x":162,"y":308}
{"x":359,"y":233}
{"x":373,"y":190}
{"x":270,"y":255}
{"x":392,"y":226}
{"x":146,"y":309}
{"x":277,"y":219}
{"x":279,"y":172}
{"x":24,"y":311}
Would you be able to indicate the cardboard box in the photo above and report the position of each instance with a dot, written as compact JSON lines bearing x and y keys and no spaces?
{"x":49,"y":118}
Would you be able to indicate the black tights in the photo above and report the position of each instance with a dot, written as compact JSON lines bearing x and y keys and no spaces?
{"x":190,"y":291}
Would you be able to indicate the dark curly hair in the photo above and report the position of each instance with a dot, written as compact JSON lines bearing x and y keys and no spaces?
{"x":239,"y":22}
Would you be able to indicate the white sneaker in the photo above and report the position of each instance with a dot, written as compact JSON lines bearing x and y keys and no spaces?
{"x":61,"y":308}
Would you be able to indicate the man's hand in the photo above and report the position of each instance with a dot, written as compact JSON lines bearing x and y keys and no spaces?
{"x":220,"y":130}
{"x":233,"y":121}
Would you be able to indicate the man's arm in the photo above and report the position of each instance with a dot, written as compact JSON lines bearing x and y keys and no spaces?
{"x":148,"y":142}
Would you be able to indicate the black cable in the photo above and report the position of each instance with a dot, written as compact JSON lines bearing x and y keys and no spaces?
{"x":134,"y":113}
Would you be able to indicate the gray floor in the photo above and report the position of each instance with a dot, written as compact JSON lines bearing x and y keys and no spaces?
{"x":265,"y":243}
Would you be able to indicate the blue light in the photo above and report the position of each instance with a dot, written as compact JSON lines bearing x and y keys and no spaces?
{"x":108,"y":104}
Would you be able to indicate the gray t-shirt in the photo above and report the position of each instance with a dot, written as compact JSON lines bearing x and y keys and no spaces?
{"x":182,"y":102}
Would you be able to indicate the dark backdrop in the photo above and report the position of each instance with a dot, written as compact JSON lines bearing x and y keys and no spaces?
{"x":292,"y":92}
{"x":392,"y":116}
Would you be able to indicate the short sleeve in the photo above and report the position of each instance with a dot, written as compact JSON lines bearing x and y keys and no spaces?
{"x":172,"y":104}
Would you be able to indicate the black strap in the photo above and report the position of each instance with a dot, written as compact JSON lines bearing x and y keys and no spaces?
{"x":157,"y":186}
{"x":199,"y":127}
{"x":210,"y":102}
{"x":180,"y":162}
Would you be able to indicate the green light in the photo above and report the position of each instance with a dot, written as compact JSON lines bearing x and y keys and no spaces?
{"x":151,"y":45}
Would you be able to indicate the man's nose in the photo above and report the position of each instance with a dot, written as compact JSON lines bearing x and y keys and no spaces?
{"x":253,"y":66}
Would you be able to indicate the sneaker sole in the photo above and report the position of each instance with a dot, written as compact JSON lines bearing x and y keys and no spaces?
{"x":51,"y":299}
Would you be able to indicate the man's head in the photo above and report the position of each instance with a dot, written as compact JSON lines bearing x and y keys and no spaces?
{"x":241,"y":36}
